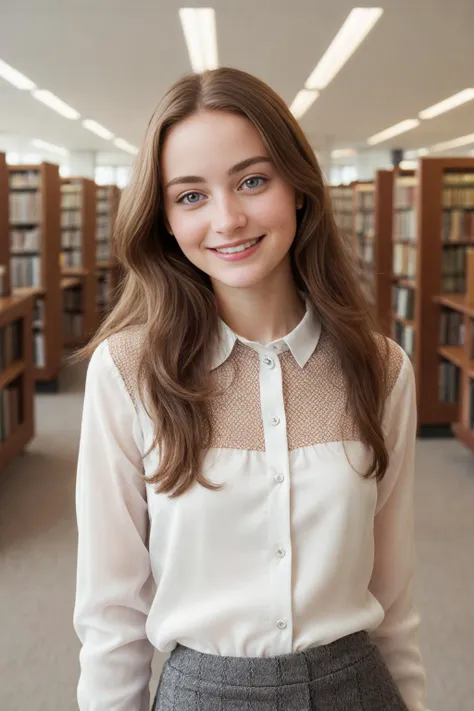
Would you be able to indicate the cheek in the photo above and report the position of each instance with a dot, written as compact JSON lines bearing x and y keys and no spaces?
{"x":276,"y":211}
{"x":188,"y":229}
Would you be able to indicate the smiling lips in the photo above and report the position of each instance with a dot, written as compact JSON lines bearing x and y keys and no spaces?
{"x":239,"y":250}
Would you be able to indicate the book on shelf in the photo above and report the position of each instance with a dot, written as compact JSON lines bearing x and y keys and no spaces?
{"x":25,"y":208}
{"x":3,"y":280}
{"x":24,"y":179}
{"x":10,"y":409}
{"x":10,"y":344}
{"x":404,"y":335}
{"x":452,"y":328}
{"x":403,"y":302}
{"x":449,"y":379}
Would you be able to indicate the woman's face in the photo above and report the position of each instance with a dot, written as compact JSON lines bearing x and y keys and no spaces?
{"x":222,"y":191}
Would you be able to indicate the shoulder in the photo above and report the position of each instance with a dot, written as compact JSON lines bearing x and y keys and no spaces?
{"x":119,"y":355}
{"x":397,"y":361}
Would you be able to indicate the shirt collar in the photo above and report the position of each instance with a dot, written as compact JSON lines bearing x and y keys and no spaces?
{"x":302,"y":341}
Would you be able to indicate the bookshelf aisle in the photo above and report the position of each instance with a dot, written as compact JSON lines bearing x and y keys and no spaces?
{"x":456,"y":302}
{"x":16,"y":348}
{"x":34,"y":252}
{"x":342,"y":199}
{"x":78,"y":260}
{"x":373,"y":239}
{"x":429,"y":258}
{"x":107,"y":268}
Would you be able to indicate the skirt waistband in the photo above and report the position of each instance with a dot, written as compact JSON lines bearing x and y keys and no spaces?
{"x":294,"y":668}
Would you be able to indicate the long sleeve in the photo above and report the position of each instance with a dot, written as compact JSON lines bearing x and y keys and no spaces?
{"x":114,"y":580}
{"x":393,"y":572}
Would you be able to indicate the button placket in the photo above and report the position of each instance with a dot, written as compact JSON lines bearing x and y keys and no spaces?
{"x":279,"y":536}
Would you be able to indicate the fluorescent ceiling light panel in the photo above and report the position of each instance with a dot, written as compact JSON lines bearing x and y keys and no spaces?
{"x":417,"y":153}
{"x":49,"y":99}
{"x":199,"y":28}
{"x":38,"y":143}
{"x":16,"y":78}
{"x":451,"y":103}
{"x":302,"y":102}
{"x":343,"y":153}
{"x":352,"y":33}
{"x":98,"y":129}
{"x":125,"y":146}
{"x":401,"y":127}
{"x":455,"y":143}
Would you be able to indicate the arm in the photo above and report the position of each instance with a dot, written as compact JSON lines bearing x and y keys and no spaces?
{"x":392,"y":577}
{"x":114,"y":581}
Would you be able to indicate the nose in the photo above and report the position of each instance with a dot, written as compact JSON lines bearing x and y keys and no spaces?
{"x":229,"y":215}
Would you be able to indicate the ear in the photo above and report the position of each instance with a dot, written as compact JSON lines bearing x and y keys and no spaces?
{"x":299,"y":201}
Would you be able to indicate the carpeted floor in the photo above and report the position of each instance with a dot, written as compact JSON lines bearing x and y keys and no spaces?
{"x":38,"y":647}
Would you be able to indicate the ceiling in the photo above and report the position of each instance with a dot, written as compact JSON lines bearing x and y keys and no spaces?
{"x":113,"y":59}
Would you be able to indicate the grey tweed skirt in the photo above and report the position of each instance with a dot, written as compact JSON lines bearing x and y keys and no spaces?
{"x":347,"y":675}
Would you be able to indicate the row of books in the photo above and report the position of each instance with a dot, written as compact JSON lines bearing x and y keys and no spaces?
{"x":39,"y":356}
{"x":10,"y":409}
{"x":25,"y":208}
{"x":10,"y":344}
{"x":24,"y":179}
{"x":71,"y":239}
{"x":451,"y":328}
{"x":365,"y":223}
{"x":449,"y":377}
{"x":71,"y":200}
{"x":458,"y":225}
{"x":365,"y":200}
{"x":71,"y":218}
{"x":453,"y":270}
{"x":403,"y":302}
{"x":71,"y":257}
{"x":3,"y":280}
{"x":404,"y":335}
{"x":25,"y":240}
{"x":458,"y":190}
{"x":405,"y":192}
{"x":25,"y":271}
{"x":404,"y":225}
{"x":366,"y":251}
{"x":404,"y":260}
{"x":72,"y":324}
{"x":103,"y":252}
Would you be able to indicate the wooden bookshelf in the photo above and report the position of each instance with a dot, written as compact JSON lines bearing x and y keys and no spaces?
{"x":35,"y":243}
{"x":342,"y":200}
{"x":16,"y":379}
{"x":419,"y":253}
{"x":78,"y":260}
{"x":462,"y":355}
{"x":107,"y":268}
{"x":373,"y":205}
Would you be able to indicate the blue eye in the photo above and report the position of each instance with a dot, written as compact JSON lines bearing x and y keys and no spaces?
{"x":257,"y":181}
{"x":188,"y":198}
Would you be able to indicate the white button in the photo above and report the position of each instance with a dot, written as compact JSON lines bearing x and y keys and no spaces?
{"x":281,"y":553}
{"x":269,"y":361}
{"x":275,"y":348}
{"x":275,"y":421}
{"x":281,"y":624}
{"x":279,"y":478}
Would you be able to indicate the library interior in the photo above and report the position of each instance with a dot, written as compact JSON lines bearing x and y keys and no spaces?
{"x":385,"y":97}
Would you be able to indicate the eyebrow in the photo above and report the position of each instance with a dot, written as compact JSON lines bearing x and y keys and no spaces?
{"x":235,"y":169}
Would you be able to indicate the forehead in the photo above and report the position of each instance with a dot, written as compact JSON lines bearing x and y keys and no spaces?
{"x":209,"y":143}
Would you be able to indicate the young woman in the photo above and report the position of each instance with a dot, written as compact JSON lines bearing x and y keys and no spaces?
{"x":245,"y":476}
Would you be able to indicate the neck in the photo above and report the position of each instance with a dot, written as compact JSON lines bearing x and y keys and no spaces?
{"x":262,"y":313}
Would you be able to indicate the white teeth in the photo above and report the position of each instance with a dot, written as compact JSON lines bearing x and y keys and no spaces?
{"x":240,"y":248}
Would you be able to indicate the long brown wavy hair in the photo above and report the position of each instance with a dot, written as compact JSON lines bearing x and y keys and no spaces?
{"x":173,"y":303}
